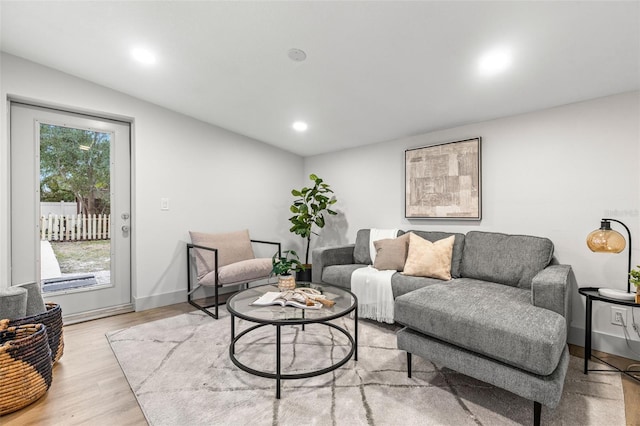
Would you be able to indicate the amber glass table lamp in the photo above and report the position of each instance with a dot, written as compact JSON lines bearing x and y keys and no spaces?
{"x":607,"y":240}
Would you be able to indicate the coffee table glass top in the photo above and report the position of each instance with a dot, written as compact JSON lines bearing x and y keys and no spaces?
{"x":241,"y":306}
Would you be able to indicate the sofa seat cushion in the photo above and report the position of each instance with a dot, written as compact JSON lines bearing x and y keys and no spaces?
{"x":403,"y":284}
{"x":239,"y":272}
{"x":340,"y":275}
{"x":492,"y":319}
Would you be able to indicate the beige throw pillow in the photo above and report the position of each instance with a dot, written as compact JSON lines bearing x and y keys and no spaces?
{"x":391,"y":253}
{"x":427,"y":259}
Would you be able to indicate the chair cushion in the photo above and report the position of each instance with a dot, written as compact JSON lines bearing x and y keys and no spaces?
{"x":239,"y":272}
{"x":491,"y":319}
{"x":507,"y":259}
{"x":232,"y":247}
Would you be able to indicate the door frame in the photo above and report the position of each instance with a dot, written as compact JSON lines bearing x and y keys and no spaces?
{"x":5,"y":198}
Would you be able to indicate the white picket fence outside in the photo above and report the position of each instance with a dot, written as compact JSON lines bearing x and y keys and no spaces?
{"x":75,"y":227}
{"x":58,"y":207}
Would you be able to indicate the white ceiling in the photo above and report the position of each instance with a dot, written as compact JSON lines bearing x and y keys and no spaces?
{"x":375,"y":71}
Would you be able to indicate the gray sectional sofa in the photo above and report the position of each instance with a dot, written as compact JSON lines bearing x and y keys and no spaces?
{"x":502,"y":318}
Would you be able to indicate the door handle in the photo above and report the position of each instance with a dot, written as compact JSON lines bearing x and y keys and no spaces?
{"x":125,"y":228}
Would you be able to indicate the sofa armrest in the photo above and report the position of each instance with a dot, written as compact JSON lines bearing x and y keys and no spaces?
{"x":325,"y":256}
{"x":551,"y":289}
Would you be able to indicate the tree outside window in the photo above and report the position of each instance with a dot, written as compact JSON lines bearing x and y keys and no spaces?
{"x":74,"y":167}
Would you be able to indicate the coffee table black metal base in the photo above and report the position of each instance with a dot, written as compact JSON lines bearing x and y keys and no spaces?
{"x":278,"y":375}
{"x":241,"y":306}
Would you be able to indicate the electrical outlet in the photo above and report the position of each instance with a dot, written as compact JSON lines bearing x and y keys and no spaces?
{"x":618,"y":316}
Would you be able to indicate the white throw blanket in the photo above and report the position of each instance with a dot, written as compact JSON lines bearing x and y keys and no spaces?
{"x":373,"y":287}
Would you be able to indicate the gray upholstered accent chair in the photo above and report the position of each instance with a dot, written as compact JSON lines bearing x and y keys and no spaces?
{"x":224,"y":260}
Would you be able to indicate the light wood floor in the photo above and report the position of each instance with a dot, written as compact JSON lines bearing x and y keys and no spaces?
{"x":89,"y":387}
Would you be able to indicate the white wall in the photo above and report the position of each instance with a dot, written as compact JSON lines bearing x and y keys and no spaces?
{"x":552,"y":173}
{"x":215,"y":180}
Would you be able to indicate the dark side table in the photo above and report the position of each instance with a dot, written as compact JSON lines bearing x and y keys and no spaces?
{"x":591,"y":293}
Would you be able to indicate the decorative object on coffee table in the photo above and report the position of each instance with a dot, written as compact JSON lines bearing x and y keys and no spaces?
{"x":286,"y":282}
{"x":25,"y":363}
{"x":283,"y":266}
{"x":607,"y":240}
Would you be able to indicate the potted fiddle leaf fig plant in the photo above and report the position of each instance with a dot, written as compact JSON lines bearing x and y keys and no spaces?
{"x":282,"y":266}
{"x":308,"y":211}
{"x":634,"y":278}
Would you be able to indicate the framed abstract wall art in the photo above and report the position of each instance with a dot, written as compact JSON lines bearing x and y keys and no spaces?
{"x":444,"y":181}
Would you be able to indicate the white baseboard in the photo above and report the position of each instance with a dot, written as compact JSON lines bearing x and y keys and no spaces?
{"x":608,"y":343}
{"x":165,"y":299}
{"x":98,"y":313}
{"x":158,"y":300}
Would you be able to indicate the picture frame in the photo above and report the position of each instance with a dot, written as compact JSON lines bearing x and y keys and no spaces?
{"x":444,"y":181}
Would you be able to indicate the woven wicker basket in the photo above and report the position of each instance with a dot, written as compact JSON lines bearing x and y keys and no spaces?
{"x":25,"y":365}
{"x":52,"y":319}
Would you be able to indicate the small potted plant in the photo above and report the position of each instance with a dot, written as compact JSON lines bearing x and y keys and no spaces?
{"x":283,"y":266}
{"x":634,"y":278}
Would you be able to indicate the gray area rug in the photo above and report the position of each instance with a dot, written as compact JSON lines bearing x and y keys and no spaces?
{"x":180,"y":372}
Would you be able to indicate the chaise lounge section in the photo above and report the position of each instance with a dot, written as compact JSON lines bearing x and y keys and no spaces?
{"x":502,"y":318}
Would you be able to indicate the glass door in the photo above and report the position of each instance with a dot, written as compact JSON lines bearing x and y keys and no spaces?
{"x":73,"y":235}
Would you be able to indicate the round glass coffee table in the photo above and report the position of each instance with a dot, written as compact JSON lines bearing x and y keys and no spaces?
{"x":240,"y":305}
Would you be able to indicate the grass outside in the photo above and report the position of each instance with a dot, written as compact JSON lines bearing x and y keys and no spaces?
{"x":82,"y":256}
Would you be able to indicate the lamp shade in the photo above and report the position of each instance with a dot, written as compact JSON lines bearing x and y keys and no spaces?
{"x":606,"y":240}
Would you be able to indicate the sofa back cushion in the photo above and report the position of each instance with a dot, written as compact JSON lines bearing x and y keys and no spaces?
{"x":458,"y":246}
{"x":506,"y":259}
{"x":361,"y":253}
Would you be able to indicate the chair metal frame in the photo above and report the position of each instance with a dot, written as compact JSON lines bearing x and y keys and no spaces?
{"x":216,"y":301}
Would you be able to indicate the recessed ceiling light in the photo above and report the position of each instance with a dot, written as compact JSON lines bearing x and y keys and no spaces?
{"x":300,"y":126}
{"x":494,"y":62}
{"x":144,"y":56}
